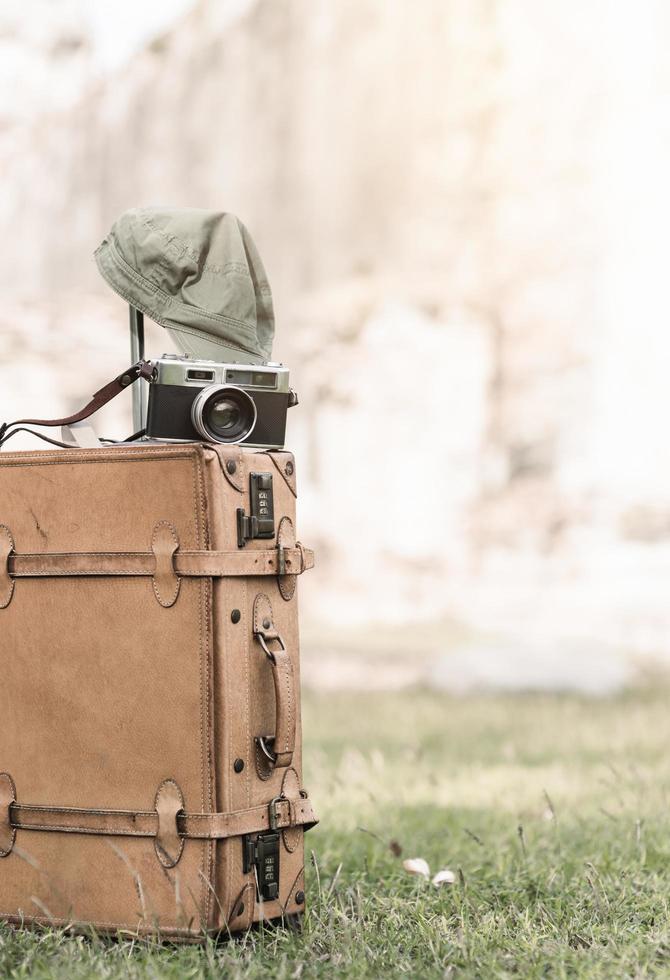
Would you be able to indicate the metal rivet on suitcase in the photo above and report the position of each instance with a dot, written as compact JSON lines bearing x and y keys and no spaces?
{"x":266,"y":624}
{"x":300,"y":898}
{"x":288,"y":469}
{"x":238,"y":765}
{"x":231,"y":466}
{"x":236,"y":615}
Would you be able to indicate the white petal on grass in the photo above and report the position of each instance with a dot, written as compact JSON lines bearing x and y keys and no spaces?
{"x":444,"y":877}
{"x":417,"y":866}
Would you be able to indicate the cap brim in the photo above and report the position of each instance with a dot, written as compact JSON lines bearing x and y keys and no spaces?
{"x":196,"y":345}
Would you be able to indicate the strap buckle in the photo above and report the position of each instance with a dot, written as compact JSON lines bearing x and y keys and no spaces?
{"x":281,"y":559}
{"x":272,"y":810}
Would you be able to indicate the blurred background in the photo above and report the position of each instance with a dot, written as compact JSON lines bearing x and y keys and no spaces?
{"x":463,"y":207}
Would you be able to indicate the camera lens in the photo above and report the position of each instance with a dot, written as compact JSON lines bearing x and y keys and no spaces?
{"x":223,"y":413}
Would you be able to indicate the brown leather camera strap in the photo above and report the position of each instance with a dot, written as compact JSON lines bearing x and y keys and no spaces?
{"x":142,"y":369}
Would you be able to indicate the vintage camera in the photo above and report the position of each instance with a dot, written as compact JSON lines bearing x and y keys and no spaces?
{"x":231,"y":403}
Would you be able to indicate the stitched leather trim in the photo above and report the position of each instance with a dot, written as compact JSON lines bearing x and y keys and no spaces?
{"x":7,"y":830}
{"x":168,"y":842}
{"x":286,"y":539}
{"x":186,"y":564}
{"x":145,"y":823}
{"x":6,"y":583}
{"x":244,"y":905}
{"x":290,"y":787}
{"x":263,"y":617}
{"x":164,"y":543}
{"x":234,"y":453}
{"x":285,"y":465}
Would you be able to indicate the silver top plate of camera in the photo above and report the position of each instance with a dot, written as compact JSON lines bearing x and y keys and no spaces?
{"x":177,"y":369}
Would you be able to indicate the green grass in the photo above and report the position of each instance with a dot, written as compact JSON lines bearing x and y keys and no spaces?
{"x":552,"y":812}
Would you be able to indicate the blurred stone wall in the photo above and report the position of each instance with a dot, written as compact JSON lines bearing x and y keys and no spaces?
{"x":427,"y":184}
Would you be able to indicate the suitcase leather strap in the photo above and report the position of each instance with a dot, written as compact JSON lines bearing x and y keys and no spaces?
{"x":166,"y":563}
{"x":198,"y":564}
{"x":281,"y":814}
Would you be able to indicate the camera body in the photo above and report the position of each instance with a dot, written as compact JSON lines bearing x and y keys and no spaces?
{"x":192,"y":400}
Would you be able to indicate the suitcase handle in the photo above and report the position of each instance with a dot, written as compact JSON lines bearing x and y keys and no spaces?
{"x":278,"y":749}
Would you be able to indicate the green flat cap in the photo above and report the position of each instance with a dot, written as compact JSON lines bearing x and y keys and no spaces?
{"x":198,"y":274}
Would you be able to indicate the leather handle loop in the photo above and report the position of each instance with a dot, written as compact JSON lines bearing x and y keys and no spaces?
{"x":283,"y":676}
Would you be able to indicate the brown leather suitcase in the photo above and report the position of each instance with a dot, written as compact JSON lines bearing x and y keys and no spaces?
{"x":150,"y":740}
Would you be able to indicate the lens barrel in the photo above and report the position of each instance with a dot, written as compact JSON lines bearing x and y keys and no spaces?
{"x":223,"y":413}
